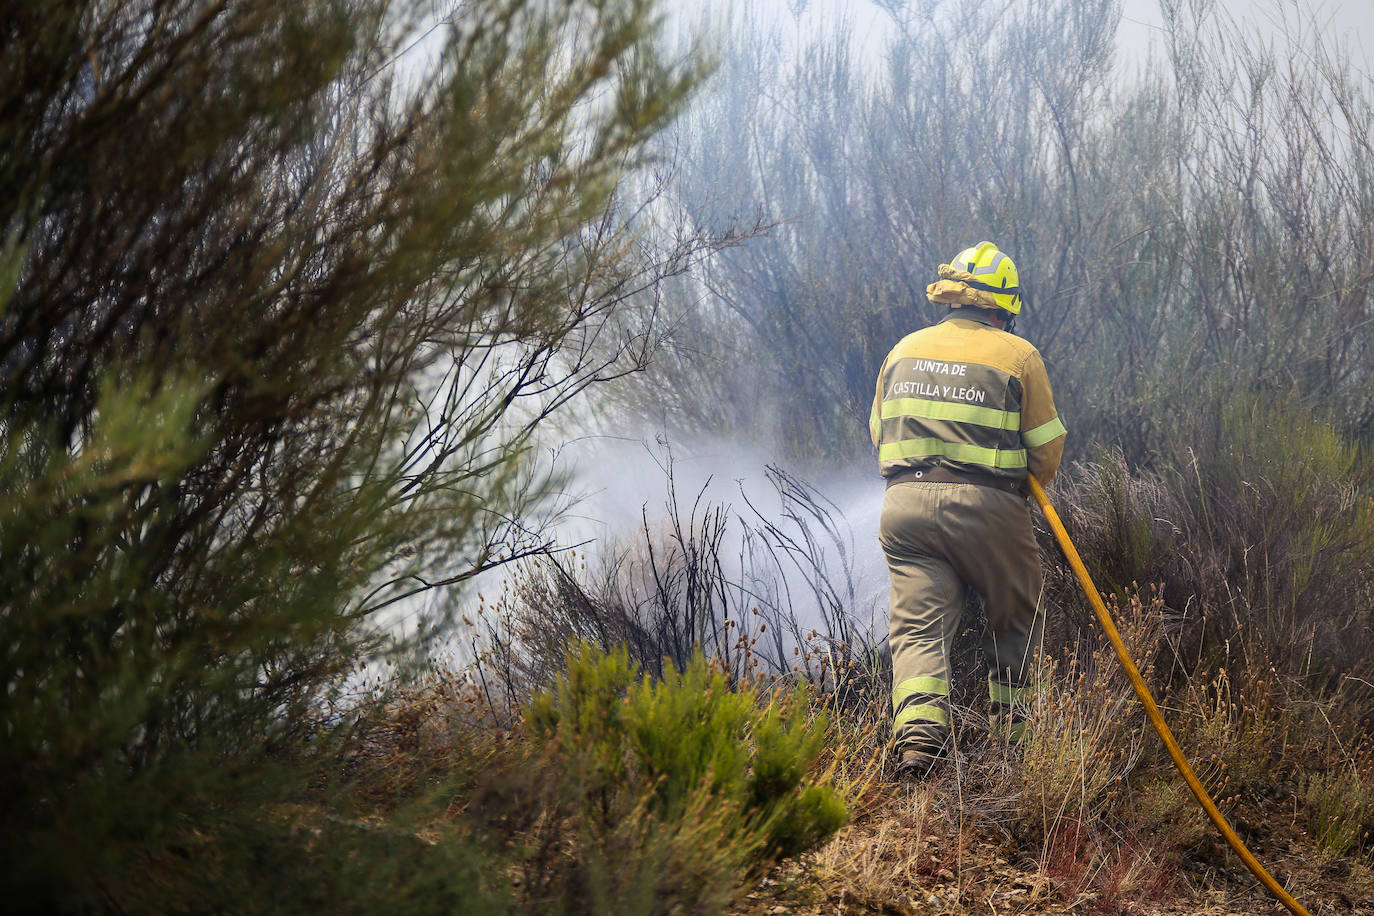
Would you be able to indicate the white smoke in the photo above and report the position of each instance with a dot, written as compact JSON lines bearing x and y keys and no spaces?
{"x":624,"y":489}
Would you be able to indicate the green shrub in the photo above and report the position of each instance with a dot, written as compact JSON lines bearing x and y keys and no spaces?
{"x":678,"y":776}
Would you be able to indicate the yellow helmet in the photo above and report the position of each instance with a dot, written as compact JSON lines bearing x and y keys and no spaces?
{"x":991,"y":271}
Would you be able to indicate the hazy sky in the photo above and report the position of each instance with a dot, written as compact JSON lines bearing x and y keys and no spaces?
{"x":1350,"y":21}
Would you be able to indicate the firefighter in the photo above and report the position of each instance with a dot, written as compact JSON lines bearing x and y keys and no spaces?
{"x":963,"y":411}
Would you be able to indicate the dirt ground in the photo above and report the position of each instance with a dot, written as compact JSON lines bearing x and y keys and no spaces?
{"x":908,"y":855}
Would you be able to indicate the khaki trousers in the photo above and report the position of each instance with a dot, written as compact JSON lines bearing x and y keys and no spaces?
{"x":941,"y":539}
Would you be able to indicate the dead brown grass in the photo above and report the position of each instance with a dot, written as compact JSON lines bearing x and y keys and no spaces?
{"x":1088,"y":817}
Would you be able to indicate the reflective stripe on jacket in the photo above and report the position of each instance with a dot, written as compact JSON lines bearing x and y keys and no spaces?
{"x":965,"y":395}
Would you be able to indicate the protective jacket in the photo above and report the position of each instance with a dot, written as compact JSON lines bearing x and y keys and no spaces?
{"x":966,"y":396}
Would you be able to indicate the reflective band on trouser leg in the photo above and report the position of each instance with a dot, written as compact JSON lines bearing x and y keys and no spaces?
{"x":1007,"y":725}
{"x":933,"y":686}
{"x":921,"y":712}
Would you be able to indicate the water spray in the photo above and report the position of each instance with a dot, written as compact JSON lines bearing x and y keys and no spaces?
{"x":1151,"y":709}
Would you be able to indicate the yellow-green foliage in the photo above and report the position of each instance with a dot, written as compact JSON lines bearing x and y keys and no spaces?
{"x":686,"y":738}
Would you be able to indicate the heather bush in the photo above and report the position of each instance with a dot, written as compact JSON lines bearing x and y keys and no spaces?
{"x":690,"y":732}
{"x":679,"y":777}
{"x":617,"y":792}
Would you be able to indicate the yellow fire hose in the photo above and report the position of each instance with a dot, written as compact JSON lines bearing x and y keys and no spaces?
{"x":1151,"y":709}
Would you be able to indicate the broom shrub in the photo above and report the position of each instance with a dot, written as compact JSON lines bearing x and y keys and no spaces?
{"x":688,"y":755}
